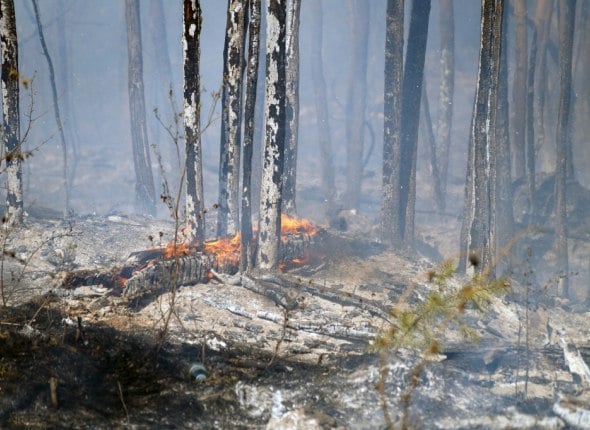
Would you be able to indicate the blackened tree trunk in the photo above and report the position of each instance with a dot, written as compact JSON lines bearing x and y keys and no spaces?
{"x":56,"y":109}
{"x":391,"y":232}
{"x":269,"y":223}
{"x":231,"y":116}
{"x":357,"y":100}
{"x":195,"y":213}
{"x":292,"y":106}
{"x":519,"y":94}
{"x":478,"y":230}
{"x":145,"y":193}
{"x":10,"y":113}
{"x":246,"y":251}
{"x":428,"y":136}
{"x":566,"y":30}
{"x":504,"y":202}
{"x":412,"y":91}
{"x":328,"y":185}
{"x":447,"y":90}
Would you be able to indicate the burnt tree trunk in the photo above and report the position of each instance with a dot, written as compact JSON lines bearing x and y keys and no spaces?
{"x":195,"y":214}
{"x":231,"y":108}
{"x":504,"y":201}
{"x":145,"y":193}
{"x":566,"y":30}
{"x":412,"y":91}
{"x":328,"y":185}
{"x":246,"y":251}
{"x":530,"y":131}
{"x":292,"y":108}
{"x":13,"y":154}
{"x":269,"y":223}
{"x":394,"y":49}
{"x":56,"y":109}
{"x":477,"y":232}
{"x":428,"y":136}
{"x":518,"y":139}
{"x":446,"y":92}
{"x":357,"y":100}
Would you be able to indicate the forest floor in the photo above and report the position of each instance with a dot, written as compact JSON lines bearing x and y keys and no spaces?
{"x":86,"y":358}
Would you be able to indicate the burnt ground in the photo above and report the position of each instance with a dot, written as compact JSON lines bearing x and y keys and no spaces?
{"x":117,"y":362}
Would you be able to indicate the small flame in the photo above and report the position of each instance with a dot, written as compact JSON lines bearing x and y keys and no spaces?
{"x":176,"y":250}
{"x":291,"y":225}
{"x":225,"y":250}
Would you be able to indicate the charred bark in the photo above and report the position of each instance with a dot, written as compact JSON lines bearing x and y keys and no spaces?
{"x":390,"y":198}
{"x":328,"y":185}
{"x":412,"y":91}
{"x":477,"y":231}
{"x":269,"y":223}
{"x":446,"y":92}
{"x":12,"y":153}
{"x":145,"y":192}
{"x":566,"y":30}
{"x":246,"y":248}
{"x":195,"y":213}
{"x":357,"y":100}
{"x":292,"y":108}
{"x":231,"y":116}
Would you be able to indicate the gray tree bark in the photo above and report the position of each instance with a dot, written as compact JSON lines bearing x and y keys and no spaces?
{"x":292,"y":106}
{"x":231,"y":116}
{"x":566,"y":37}
{"x":518,"y":139}
{"x":478,"y":229}
{"x":446,"y":92}
{"x":246,"y":246}
{"x":412,"y":91}
{"x":13,"y":155}
{"x":195,"y":212}
{"x":357,"y":100}
{"x":145,"y":192}
{"x":530,"y":151}
{"x":328,"y":185}
{"x":269,"y":222}
{"x":391,"y":232}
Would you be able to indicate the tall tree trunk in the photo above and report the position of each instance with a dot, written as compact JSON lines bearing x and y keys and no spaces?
{"x":292,"y":105}
{"x":447,"y":90}
{"x":328,"y":185}
{"x":357,"y":100}
{"x":391,"y":232}
{"x":195,"y":213}
{"x":477,"y":232}
{"x":56,"y":110}
{"x":428,"y":136}
{"x":566,"y":31}
{"x":518,"y":139}
{"x":246,"y":251}
{"x":412,"y":92}
{"x":10,"y":113}
{"x":231,"y":116}
{"x":504,"y":202}
{"x":530,"y":131}
{"x":269,"y":223}
{"x":145,"y":193}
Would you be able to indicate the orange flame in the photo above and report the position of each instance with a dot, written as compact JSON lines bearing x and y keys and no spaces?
{"x":290,"y":225}
{"x":176,"y":250}
{"x":226,"y":250}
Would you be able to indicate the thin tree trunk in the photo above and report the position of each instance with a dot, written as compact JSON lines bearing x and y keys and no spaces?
{"x":10,"y":114}
{"x":504,"y":202}
{"x":328,"y":185}
{"x":231,"y":116}
{"x":566,"y":31}
{"x":269,"y":223}
{"x":428,"y":136}
{"x":145,"y":193}
{"x":56,"y":110}
{"x":391,"y":231}
{"x":447,"y":90}
{"x":292,"y":93}
{"x":412,"y":91}
{"x":357,"y":100}
{"x":246,"y":251}
{"x":477,"y":232}
{"x":195,"y":213}
{"x":518,"y":139}
{"x":530,"y":132}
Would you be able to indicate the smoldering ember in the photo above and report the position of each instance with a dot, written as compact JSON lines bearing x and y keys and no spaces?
{"x":295,"y":215}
